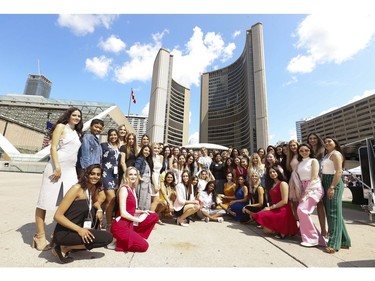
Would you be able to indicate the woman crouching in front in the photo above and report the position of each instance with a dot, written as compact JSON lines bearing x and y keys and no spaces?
{"x":132,"y":227}
{"x":75,"y":219}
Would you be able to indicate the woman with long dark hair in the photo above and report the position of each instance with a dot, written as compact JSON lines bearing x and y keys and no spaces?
{"x":128,"y":154}
{"x":311,"y":194}
{"x":278,"y":218}
{"x":145,"y":166}
{"x":75,"y":216}
{"x":332,"y":166}
{"x":60,"y":172}
{"x":209,"y":201}
{"x":167,"y":195}
{"x":184,"y":206}
{"x":317,"y":146}
{"x":110,"y":163}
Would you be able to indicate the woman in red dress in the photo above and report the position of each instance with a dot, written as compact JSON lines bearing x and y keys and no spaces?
{"x":132,"y":227}
{"x":279,"y":217}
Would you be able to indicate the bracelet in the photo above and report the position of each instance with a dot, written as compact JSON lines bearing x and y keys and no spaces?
{"x":273,"y":206}
{"x":100,"y":210}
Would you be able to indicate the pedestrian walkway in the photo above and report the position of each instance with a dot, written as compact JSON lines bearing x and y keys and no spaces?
{"x":213,"y":245}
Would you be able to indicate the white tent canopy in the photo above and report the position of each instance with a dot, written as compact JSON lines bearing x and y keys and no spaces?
{"x":353,"y":171}
{"x":206,"y":145}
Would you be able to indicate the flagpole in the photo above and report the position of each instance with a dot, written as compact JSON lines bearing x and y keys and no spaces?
{"x":130,"y":100}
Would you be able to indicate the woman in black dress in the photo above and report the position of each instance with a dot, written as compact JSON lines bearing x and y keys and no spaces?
{"x":75,"y":217}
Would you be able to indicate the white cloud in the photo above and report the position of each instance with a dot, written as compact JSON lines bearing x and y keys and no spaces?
{"x":365,"y":94}
{"x":189,"y":62}
{"x":146,"y":109}
{"x":199,"y":54}
{"x":194,"y":138}
{"x":99,"y":66}
{"x":292,"y":80}
{"x":328,"y":38}
{"x":112,"y":44}
{"x":354,"y":99}
{"x":81,"y":25}
{"x":236,"y":33}
{"x":142,"y":57}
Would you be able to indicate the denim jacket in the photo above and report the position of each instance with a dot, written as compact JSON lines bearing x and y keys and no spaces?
{"x":90,"y":151}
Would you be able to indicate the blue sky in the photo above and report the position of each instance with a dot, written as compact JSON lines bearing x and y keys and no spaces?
{"x":314,"y":62}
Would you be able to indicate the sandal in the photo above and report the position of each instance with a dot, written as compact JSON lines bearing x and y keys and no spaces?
{"x":330,"y":250}
{"x":345,"y":247}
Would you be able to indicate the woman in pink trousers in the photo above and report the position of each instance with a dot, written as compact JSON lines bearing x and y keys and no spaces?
{"x":311,"y":193}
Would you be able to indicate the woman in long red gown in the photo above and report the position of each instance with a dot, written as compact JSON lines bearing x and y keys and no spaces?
{"x":132,"y":227}
{"x":279,"y":217}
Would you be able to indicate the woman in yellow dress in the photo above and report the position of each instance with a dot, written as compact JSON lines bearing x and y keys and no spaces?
{"x":229,"y":191}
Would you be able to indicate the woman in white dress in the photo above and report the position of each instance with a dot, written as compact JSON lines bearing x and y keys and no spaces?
{"x":60,"y":172}
{"x":157,"y":160}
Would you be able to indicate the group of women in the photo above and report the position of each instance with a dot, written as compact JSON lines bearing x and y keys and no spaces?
{"x":83,"y":195}
{"x":278,"y":187}
{"x":307,"y":176}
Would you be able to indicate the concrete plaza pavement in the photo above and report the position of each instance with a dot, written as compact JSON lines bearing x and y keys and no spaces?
{"x":213,"y":245}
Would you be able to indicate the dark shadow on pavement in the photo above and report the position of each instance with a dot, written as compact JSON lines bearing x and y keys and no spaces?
{"x":360,"y":263}
{"x":28,"y":230}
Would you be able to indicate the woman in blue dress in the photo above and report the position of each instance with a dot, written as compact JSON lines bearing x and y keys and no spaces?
{"x":110,"y":161}
{"x":241,"y":199}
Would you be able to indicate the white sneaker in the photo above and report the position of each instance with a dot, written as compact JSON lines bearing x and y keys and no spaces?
{"x":220,"y":219}
{"x":306,"y":244}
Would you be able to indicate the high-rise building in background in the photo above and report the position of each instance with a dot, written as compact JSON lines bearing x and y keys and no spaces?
{"x":234,"y":99}
{"x":139,"y":123}
{"x":298,"y":129}
{"x":168,"y":117}
{"x":38,"y":85}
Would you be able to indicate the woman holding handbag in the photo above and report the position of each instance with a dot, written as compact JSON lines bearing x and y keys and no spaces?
{"x":312,"y":193}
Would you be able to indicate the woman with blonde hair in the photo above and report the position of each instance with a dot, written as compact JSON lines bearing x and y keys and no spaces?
{"x":132,"y":226}
{"x":257,"y":197}
{"x":256,"y":165}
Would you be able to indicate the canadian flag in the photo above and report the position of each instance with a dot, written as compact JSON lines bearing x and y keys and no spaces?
{"x":133,"y":97}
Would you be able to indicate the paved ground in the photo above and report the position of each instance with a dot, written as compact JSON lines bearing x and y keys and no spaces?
{"x":201,"y":245}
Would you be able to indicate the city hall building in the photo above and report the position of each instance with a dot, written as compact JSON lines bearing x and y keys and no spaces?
{"x":234,"y":99}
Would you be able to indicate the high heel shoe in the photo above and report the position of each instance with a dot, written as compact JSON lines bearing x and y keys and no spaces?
{"x":63,"y":259}
{"x":40,"y":242}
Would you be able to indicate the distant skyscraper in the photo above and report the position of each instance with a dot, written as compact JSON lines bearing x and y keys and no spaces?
{"x":139,"y":123}
{"x":38,"y":85}
{"x":234,"y":99}
{"x":168,"y":118}
{"x":298,"y":129}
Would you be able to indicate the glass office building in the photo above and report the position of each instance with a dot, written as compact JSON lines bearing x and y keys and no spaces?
{"x":234,"y":100}
{"x":38,"y":85}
